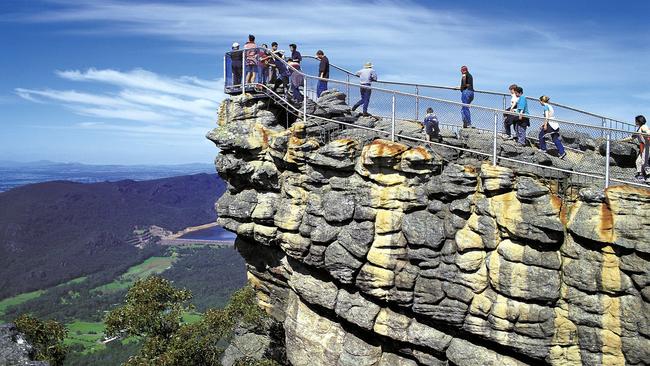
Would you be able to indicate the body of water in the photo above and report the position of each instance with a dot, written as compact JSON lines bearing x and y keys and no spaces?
{"x":213,"y":233}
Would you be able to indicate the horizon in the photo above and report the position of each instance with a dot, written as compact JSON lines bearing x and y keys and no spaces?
{"x":139,"y":83}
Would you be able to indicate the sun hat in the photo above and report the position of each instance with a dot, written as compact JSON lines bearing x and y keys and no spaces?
{"x":235,"y":45}
{"x":368,"y":65}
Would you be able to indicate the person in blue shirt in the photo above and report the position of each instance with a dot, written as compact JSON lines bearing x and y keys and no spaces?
{"x":295,"y":55}
{"x":551,"y":127}
{"x":522,"y":122}
{"x":431,"y":125}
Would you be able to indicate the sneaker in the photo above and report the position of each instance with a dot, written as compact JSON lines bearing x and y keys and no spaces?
{"x":562,"y":156}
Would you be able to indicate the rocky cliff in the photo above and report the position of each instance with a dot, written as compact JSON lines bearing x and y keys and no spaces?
{"x":375,"y":252}
{"x":14,"y":348}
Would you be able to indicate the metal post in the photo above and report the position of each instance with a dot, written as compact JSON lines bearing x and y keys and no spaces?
{"x":392,"y":122}
{"x":304,"y":98}
{"x":243,"y":73}
{"x":607,"y":153}
{"x":347,"y":93}
{"x":504,"y":103}
{"x":225,"y":76}
{"x":417,"y":103}
{"x":604,"y":124}
{"x":494,"y":140}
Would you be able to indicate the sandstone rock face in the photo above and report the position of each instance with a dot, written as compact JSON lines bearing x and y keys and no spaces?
{"x":375,"y":252}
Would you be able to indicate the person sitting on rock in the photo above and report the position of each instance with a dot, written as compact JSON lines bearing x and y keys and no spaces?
{"x":550,"y":126}
{"x":366,"y":76}
{"x":431,"y":126}
{"x":522,"y":122}
{"x":642,"y":136}
{"x":509,"y":119}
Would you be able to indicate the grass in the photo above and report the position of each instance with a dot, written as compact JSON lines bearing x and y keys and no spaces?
{"x":151,"y":266}
{"x":17,"y":300}
{"x":191,"y":317}
{"x":87,"y":334}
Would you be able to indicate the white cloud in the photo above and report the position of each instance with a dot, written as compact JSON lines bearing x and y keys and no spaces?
{"x":143,"y":97}
{"x":408,"y":40}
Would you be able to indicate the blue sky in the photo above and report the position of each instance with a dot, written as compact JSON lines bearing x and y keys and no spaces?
{"x":139,"y":82}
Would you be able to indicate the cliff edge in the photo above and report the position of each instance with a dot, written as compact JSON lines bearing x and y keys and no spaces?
{"x":375,"y":252}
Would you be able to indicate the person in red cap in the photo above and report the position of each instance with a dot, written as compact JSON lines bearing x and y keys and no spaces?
{"x":466,"y":95}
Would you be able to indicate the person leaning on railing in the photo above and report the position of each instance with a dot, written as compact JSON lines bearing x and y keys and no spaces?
{"x":550,"y":126}
{"x":642,"y":136}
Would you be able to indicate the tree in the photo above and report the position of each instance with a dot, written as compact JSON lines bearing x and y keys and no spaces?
{"x":46,"y":337}
{"x":153,"y":310}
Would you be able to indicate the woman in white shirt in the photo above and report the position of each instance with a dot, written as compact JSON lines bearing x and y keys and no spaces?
{"x":550,"y":126}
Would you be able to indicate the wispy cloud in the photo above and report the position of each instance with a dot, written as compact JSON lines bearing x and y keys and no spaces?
{"x":142,"y":96}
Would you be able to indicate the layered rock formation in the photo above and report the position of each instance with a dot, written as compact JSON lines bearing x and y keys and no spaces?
{"x":375,"y":252}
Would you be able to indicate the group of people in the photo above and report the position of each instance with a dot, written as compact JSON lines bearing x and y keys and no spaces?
{"x":264,"y":65}
{"x":269,"y":66}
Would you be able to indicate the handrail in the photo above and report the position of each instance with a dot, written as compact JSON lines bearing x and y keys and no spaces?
{"x":489,"y":92}
{"x":415,"y":139}
{"x":473,"y":106}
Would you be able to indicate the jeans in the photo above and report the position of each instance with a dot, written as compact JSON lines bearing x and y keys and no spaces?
{"x":236,"y":75}
{"x":509,"y":121}
{"x":555,"y":136}
{"x":365,"y":99}
{"x":281,"y":80}
{"x":466,"y":96}
{"x":261,"y":73}
{"x":295,"y":93}
{"x":521,"y":133}
{"x":321,"y":87}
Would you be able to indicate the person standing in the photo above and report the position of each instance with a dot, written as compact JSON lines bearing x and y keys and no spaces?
{"x":297,"y":81}
{"x":509,"y":119}
{"x":236,"y":64}
{"x":522,"y":122}
{"x":273,"y":71}
{"x":550,"y":126}
{"x":323,"y":72}
{"x":466,"y":95}
{"x":250,"y":50}
{"x":263,"y":64}
{"x":366,"y":76}
{"x":282,"y":72}
{"x":295,"y":55}
{"x":431,"y":125}
{"x":642,"y":136}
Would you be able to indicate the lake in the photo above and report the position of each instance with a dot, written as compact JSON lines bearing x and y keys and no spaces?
{"x":213,"y":233}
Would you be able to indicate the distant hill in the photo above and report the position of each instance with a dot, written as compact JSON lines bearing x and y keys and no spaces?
{"x":56,"y":231}
{"x":14,"y":174}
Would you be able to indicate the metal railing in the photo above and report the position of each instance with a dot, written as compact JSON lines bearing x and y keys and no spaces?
{"x":486,"y":98}
{"x":484,"y":142}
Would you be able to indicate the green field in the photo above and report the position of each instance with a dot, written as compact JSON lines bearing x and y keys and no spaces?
{"x":151,"y":266}
{"x":17,"y":300}
{"x":88,"y":334}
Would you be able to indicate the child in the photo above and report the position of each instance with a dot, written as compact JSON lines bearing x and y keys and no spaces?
{"x":431,"y":125}
{"x":522,"y":122}
{"x":550,"y":126}
{"x":508,"y":119}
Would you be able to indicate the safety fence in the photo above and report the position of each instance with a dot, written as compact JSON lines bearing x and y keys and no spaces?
{"x":398,"y":115}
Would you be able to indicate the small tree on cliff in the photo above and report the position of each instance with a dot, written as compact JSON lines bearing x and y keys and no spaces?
{"x":153,"y":310}
{"x":46,"y":337}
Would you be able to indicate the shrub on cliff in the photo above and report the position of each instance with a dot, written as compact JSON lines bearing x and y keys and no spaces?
{"x":153,"y":311}
{"x":46,"y":338}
